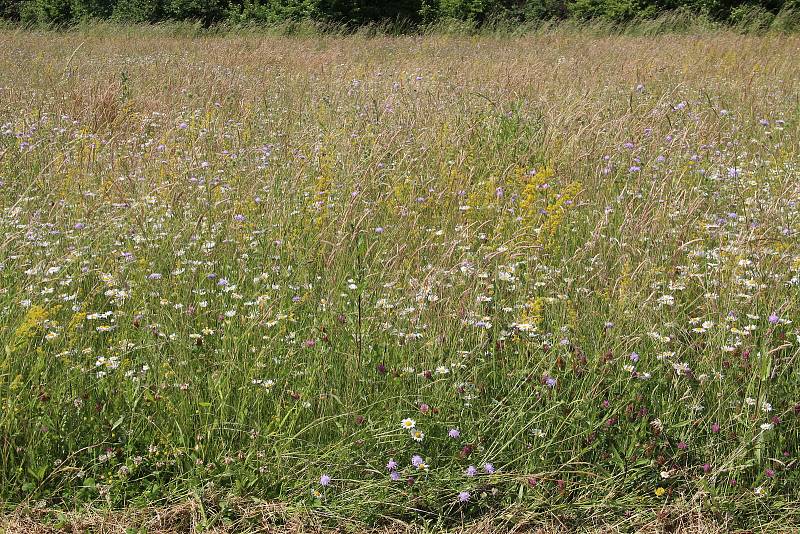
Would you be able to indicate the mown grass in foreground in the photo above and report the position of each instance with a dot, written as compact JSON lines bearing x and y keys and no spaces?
{"x":423,"y":279}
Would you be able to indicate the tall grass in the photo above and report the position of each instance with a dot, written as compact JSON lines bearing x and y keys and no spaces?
{"x":232,"y":266}
{"x":747,"y":20}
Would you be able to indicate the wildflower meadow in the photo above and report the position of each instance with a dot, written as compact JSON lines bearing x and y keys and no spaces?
{"x":252,"y":283}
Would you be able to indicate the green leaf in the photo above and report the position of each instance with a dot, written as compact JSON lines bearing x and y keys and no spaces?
{"x":117,"y":422}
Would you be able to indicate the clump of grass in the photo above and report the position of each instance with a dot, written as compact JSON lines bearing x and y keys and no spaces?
{"x":420,"y":280}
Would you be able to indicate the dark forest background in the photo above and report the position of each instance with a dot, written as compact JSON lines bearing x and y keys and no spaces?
{"x":396,"y":15}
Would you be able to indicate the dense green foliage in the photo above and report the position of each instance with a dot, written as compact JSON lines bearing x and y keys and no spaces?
{"x":403,"y":14}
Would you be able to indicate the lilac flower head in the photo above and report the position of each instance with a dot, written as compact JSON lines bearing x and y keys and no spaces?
{"x":550,"y":382}
{"x":238,"y":217}
{"x":154,"y":276}
{"x":325,"y":480}
{"x":773,"y":318}
{"x":489,"y":468}
{"x":391,"y":465}
{"x":417,"y":460}
{"x":634,"y":357}
{"x":394,"y":475}
{"x":463,"y":496}
{"x":454,"y":433}
{"x":471,"y":471}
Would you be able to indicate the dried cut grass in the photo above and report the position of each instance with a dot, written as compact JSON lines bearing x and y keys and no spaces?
{"x":246,"y":516}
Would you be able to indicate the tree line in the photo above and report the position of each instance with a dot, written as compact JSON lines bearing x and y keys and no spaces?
{"x":405,"y":14}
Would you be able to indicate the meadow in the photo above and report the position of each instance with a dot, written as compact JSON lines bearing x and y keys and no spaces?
{"x":410,"y":283}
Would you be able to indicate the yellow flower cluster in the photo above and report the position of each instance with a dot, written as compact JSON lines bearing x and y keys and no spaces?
{"x":31,"y":325}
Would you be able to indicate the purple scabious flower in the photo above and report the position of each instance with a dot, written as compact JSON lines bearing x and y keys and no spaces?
{"x":634,"y":357}
{"x":454,"y":433}
{"x":417,"y":460}
{"x":154,"y":276}
{"x":489,"y":468}
{"x":773,"y":318}
{"x":324,"y":480}
{"x":471,"y":471}
{"x":463,"y":496}
{"x":394,"y":475}
{"x":391,"y":465}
